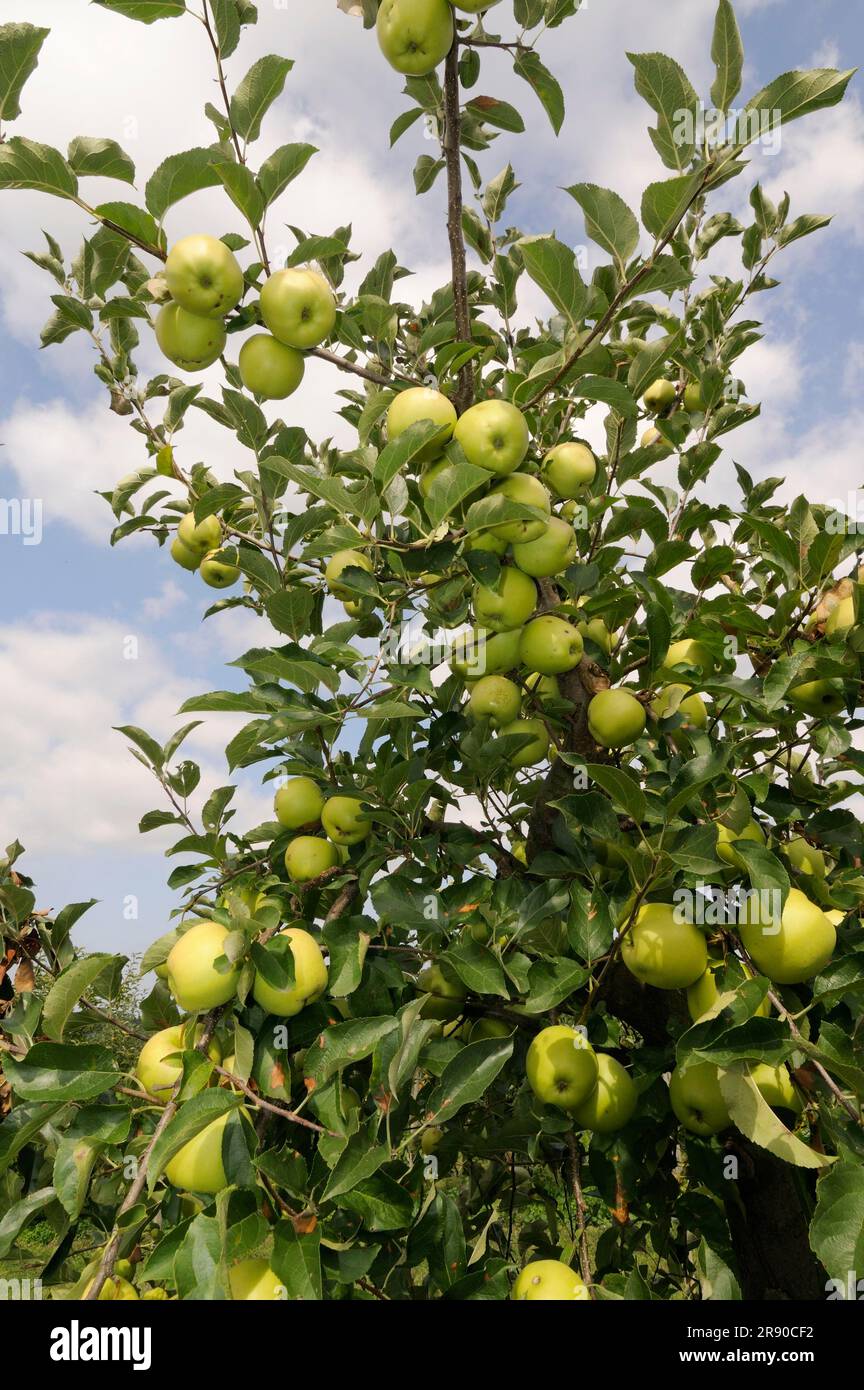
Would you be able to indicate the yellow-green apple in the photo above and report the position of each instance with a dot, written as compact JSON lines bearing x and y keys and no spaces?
{"x":568,"y":469}
{"x":415,"y":35}
{"x":509,"y":604}
{"x":115,"y":1290}
{"x":193,"y":979}
{"x":550,"y":553}
{"x":775,"y":1086}
{"x":615,"y":718}
{"x":688,"y":652}
{"x":612,"y":1101}
{"x":794,"y":949}
{"x":188,"y":340}
{"x":157,"y":1075}
{"x":309,"y":856}
{"x":497,"y":699}
{"x":653,"y":439}
{"x":198,"y":1167}
{"x":345,"y":821}
{"x":254,"y":1281}
{"x":493,"y":435}
{"x":535,"y":751}
{"x":200,"y":537}
{"x":726,"y":838}
{"x":703,"y":995}
{"x":561,"y":1066}
{"x":841,"y":619}
{"x":673,"y":699}
{"x":659,"y":396}
{"x":270,"y":369}
{"x":805,"y":858}
{"x":310,"y":977}
{"x":299,"y":803}
{"x":818,"y":698}
{"x":697,"y":1100}
{"x":661,"y":950}
{"x":596,"y":631}
{"x":430,"y":1140}
{"x":543,"y":687}
{"x":445,"y":992}
{"x":218,"y":573}
{"x":549,"y":1281}
{"x":528,"y":492}
{"x":474,"y":655}
{"x":203,"y":276}
{"x":485,"y":540}
{"x":183,"y":556}
{"x":344,"y":560}
{"x":550,"y":645}
{"x":298,"y":307}
{"x":422,"y":403}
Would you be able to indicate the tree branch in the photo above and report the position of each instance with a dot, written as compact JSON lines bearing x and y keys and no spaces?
{"x":452,"y":153}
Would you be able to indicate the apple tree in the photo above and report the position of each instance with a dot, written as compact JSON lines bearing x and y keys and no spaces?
{"x":543,"y":979}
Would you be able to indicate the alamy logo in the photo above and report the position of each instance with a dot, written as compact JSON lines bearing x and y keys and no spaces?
{"x":77,"y":1343}
{"x":20,"y":1290}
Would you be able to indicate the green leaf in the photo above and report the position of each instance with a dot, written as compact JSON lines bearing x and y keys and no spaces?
{"x":296,"y":1262}
{"x":20,"y":45}
{"x":789,"y":96}
{"x":529,"y":66}
{"x":468,"y":1076}
{"x":344,"y":1044}
{"x":227,"y":19}
{"x":668,"y":91}
{"x":281,"y":168}
{"x":243,"y":190}
{"x":752,"y":1114}
{"x":612,"y":393}
{"x":19,"y":1127}
{"x":61,"y":1071}
{"x":196,"y":1114}
{"x":256,"y":93}
{"x":133,"y":220}
{"x":361,"y":1157}
{"x":497,"y":113}
{"x":178,"y":176}
{"x":837,"y":1228}
{"x":403,"y":451}
{"x":649,"y":363}
{"x":105,"y":158}
{"x":608,"y":220}
{"x":381,"y":1203}
{"x":69,"y":986}
{"x":664,"y":204}
{"x":716,"y":1280}
{"x":147,"y":11}
{"x":450,"y":490}
{"x":622,"y":788}
{"x":477,"y":967}
{"x":552,"y":266}
{"x":26,"y":164}
{"x":16,"y":1217}
{"x":727,"y":53}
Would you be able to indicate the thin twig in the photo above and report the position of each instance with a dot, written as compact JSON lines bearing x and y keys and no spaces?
{"x":452,"y":153}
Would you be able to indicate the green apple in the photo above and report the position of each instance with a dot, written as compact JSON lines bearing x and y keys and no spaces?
{"x":653,"y":439}
{"x":309,"y":856}
{"x":497,"y":699}
{"x":158,"y":1076}
{"x":299,"y":803}
{"x":612,"y":1101}
{"x":688,"y":653}
{"x":528,"y":492}
{"x":343,"y":560}
{"x":415,"y":35}
{"x":726,"y":838}
{"x":430,"y":475}
{"x":662,"y":951}
{"x":203,"y":276}
{"x":543,"y":687}
{"x":187,"y":340}
{"x":818,"y":698}
{"x":473,"y":6}
{"x":568,"y":469}
{"x":703,"y":995}
{"x":775,"y":1086}
{"x":204,"y":536}
{"x":310,"y":977}
{"x":615,"y":718}
{"x":345,"y":821}
{"x":217,"y":573}
{"x":508,"y":605}
{"x":597,"y":631}
{"x":841,"y":619}
{"x":184,"y":557}
{"x":530,"y":753}
{"x":430,"y":1140}
{"x":114,"y":1290}
{"x":270,"y":369}
{"x":298,"y":307}
{"x":697,"y":1100}
{"x":254,"y":1281}
{"x":796,"y":948}
{"x":549,"y":553}
{"x":561,"y":1067}
{"x":693,"y":398}
{"x":805,"y":858}
{"x":489,"y":1028}
{"x":422,"y":403}
{"x":659,"y":396}
{"x":193,"y":979}
{"x":493,"y":435}
{"x":550,"y":645}
{"x":445,"y":992}
{"x":198,"y":1167}
{"x":550,"y":1281}
{"x":484,"y":540}
{"x":673,"y":699}
{"x":474,"y":655}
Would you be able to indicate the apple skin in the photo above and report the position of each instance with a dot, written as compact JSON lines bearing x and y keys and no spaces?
{"x":309,"y":856}
{"x":703,"y":995}
{"x":184,"y":557}
{"x":653,"y":439}
{"x":534,"y":752}
{"x":415,"y":35}
{"x":190,"y":342}
{"x":202,"y":537}
{"x":543,"y":687}
{"x":659,"y":396}
{"x":430,"y":1140}
{"x":216,"y":573}
{"x":568,"y":469}
{"x":493,"y":435}
{"x":549,"y":1281}
{"x":445,"y":992}
{"x":270,"y":369}
{"x":203,"y":276}
{"x":550,"y":553}
{"x":610,"y":1105}
{"x":115,"y":1290}
{"x":697,"y":1100}
{"x":508,"y":605}
{"x":485,"y":540}
{"x":154,"y":1072}
{"x":693,"y":401}
{"x":298,"y":307}
{"x":343,"y":560}
{"x":550,"y":645}
{"x":561,"y":1067}
{"x":663,"y":952}
{"x":615,"y":718}
{"x":192,"y":979}
{"x":775,"y":1086}
{"x":422,"y":403}
{"x":841,"y":619}
{"x":472,"y":657}
{"x":726,"y":838}
{"x":345,"y":821}
{"x":529,"y":492}
{"x":805,"y":858}
{"x":692,"y":708}
{"x":310,"y":977}
{"x":198,"y":1167}
{"x":817,"y":698}
{"x":254,"y":1281}
{"x":497,"y":699}
{"x":299,"y":803}
{"x":801,"y":947}
{"x":598,"y":633}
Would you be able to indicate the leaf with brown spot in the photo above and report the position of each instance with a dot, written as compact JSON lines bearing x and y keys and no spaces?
{"x":305,"y":1223}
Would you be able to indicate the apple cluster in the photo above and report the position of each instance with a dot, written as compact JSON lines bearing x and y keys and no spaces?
{"x":196,"y":546}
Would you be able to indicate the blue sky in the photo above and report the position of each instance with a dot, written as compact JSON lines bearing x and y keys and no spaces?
{"x":71,"y":792}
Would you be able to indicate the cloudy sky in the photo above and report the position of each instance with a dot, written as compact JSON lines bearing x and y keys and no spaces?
{"x":93,"y":637}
